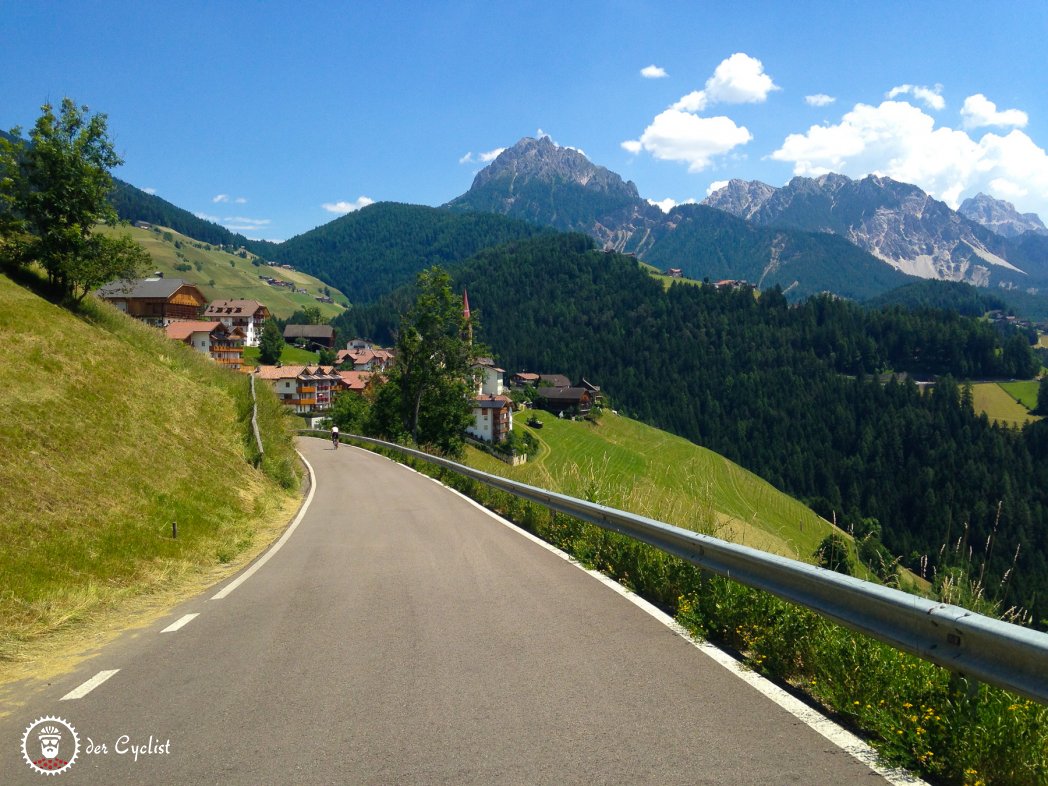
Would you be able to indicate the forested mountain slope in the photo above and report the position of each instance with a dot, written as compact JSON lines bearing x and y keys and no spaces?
{"x":780,"y":389}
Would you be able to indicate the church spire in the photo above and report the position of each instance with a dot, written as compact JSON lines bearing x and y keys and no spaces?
{"x":465,"y":316}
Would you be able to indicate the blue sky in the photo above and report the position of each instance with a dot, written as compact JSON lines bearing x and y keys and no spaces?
{"x":273,"y":118}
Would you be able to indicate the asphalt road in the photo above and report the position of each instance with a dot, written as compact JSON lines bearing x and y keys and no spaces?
{"x":403,"y":636}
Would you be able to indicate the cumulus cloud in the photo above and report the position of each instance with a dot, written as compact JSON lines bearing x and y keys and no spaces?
{"x":220,"y":198}
{"x":901,"y":141}
{"x":244,"y":224}
{"x":653,"y":72}
{"x":149,"y":190}
{"x":240,"y":200}
{"x":344,"y":207}
{"x":208,"y":217}
{"x":819,"y":99}
{"x":716,"y":186}
{"x":930,"y":96}
{"x":667,"y":204}
{"x":679,"y":133}
{"x":979,"y":111}
{"x":481,"y":158}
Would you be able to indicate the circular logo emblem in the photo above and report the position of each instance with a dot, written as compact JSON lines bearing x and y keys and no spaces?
{"x":50,"y":745}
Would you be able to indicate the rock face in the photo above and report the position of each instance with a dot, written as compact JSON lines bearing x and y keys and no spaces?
{"x":1000,"y":216}
{"x":542,"y":182}
{"x":896,"y":222}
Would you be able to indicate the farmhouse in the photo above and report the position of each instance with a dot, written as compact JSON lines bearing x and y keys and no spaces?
{"x":310,"y":335}
{"x":222,"y":344}
{"x":248,"y":315}
{"x":155,"y":300}
{"x":572,"y":401}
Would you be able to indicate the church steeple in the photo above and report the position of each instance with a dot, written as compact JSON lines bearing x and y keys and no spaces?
{"x":465,"y":316}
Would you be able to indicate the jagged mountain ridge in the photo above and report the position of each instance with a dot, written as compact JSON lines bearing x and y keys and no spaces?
{"x":1000,"y":216}
{"x":896,"y":222}
{"x":541,"y":182}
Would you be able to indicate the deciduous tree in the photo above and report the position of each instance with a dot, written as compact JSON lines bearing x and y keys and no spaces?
{"x":55,"y":191}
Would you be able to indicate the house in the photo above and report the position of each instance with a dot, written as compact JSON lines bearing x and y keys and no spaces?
{"x":573,"y":401}
{"x":523,"y":378}
{"x":370,"y":359}
{"x":554,"y":380}
{"x":222,"y":344}
{"x":310,"y":335}
{"x":594,"y":391}
{"x":491,"y":377}
{"x":304,"y":389}
{"x":355,"y":381}
{"x":248,"y":315}
{"x":492,"y":418}
{"x":155,"y":300}
{"x":674,"y":272}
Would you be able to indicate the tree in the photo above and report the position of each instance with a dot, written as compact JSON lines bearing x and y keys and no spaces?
{"x":54,"y":191}
{"x":430,"y":385}
{"x":1042,"y":397}
{"x":833,"y":554}
{"x":350,"y":412}
{"x":270,"y":343}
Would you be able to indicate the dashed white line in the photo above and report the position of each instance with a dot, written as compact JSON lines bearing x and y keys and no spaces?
{"x":279,"y":544}
{"x":180,"y":623}
{"x":90,"y":685}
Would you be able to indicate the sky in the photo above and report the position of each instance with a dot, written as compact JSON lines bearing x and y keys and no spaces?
{"x":272,"y":118}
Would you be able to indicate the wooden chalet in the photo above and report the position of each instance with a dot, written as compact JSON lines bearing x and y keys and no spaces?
{"x":156,"y":300}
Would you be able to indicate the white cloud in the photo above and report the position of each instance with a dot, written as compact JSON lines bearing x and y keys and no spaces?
{"x":901,"y":141}
{"x":653,"y":72}
{"x":240,"y":200}
{"x":208,"y":217}
{"x":819,"y":99}
{"x":244,"y":224}
{"x":220,"y":198}
{"x":715,"y":186}
{"x":931,"y":96}
{"x":682,"y":136}
{"x":481,"y":158}
{"x":740,"y":80}
{"x":149,"y":190}
{"x":667,"y":204}
{"x":348,"y":207}
{"x":979,"y":111}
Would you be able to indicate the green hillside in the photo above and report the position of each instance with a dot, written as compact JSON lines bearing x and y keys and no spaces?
{"x":222,"y":275}
{"x":111,"y":432}
{"x":627,"y":465}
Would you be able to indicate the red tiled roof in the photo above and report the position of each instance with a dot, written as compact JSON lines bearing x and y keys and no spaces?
{"x":183,"y":329}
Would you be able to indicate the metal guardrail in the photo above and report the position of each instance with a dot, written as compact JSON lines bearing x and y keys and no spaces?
{"x":987,"y":649}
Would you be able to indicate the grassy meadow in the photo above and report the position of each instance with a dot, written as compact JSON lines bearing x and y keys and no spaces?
{"x":1006,"y":402}
{"x":221,"y":275}
{"x":627,"y":465}
{"x":111,"y":432}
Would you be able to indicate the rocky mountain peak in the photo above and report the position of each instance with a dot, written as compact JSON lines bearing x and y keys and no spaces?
{"x":543,"y":160}
{"x":1000,"y":216}
{"x":742,"y":198}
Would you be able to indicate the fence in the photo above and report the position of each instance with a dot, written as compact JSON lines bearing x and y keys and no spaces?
{"x":980,"y":647}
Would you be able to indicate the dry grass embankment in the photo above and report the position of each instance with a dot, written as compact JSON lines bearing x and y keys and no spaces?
{"x":110,"y":432}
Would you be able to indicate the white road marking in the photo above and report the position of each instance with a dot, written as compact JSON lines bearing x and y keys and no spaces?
{"x":90,"y":685}
{"x":180,"y":622}
{"x":279,"y":544}
{"x":836,"y":734}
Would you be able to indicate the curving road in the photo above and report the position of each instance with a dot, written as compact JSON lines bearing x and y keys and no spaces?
{"x":401,"y":635}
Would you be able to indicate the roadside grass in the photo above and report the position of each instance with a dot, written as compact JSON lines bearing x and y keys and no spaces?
{"x":289,"y":356}
{"x":999,"y":405}
{"x":917,"y":715}
{"x":1025,"y":392}
{"x":235,"y":278}
{"x":112,"y":432}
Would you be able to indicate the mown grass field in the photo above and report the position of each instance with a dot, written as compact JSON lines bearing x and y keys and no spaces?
{"x":289,"y":356}
{"x":233,"y":277}
{"x":110,"y":433}
{"x":1025,"y":392}
{"x":628,"y":465}
{"x":1000,"y":404}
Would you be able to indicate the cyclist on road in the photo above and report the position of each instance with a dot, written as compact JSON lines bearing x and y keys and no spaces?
{"x":334,"y":436}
